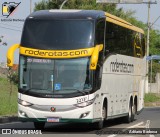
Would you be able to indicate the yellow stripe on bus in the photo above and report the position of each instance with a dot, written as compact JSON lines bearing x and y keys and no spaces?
{"x":117,"y":18}
{"x":120,"y":22}
{"x":10,"y":54}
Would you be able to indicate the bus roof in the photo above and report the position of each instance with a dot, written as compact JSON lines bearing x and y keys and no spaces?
{"x":116,"y":20}
{"x":82,"y":14}
{"x":67,"y":14}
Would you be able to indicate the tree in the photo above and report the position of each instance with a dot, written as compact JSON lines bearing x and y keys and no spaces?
{"x":50,"y":4}
{"x":76,"y":4}
{"x":1,"y":41}
{"x":13,"y":78}
{"x":154,"y":42}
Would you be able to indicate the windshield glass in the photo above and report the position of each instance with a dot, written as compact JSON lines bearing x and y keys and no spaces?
{"x":58,"y":34}
{"x":48,"y":76}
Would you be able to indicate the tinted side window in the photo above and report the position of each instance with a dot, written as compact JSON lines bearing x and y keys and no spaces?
{"x":100,"y":28}
{"x":130,"y":41}
{"x":123,"y":41}
{"x":99,"y":38}
{"x":110,"y":38}
{"x":143,"y":45}
{"x":116,"y":39}
{"x":139,"y":45}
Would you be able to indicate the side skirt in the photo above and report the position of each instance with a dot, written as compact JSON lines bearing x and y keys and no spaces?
{"x":117,"y":116}
{"x":63,"y":120}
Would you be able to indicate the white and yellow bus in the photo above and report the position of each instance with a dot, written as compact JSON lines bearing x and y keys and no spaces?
{"x":79,"y":66}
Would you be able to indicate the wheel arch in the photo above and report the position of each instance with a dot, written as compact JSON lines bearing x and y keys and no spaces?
{"x":105,"y":103}
{"x":131,"y":100}
{"x":136,"y":102}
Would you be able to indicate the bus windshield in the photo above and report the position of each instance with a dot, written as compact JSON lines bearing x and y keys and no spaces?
{"x":58,"y":34}
{"x":50,"y":76}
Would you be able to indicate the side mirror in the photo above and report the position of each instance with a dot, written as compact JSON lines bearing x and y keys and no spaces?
{"x":95,"y":56}
{"x":10,"y":55}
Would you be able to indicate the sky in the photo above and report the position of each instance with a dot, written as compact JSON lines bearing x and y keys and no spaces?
{"x":11,"y":30}
{"x":142,"y":12}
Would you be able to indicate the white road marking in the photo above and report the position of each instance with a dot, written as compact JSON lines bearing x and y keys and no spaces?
{"x":147,"y":124}
{"x":112,"y":135}
{"x":137,"y":125}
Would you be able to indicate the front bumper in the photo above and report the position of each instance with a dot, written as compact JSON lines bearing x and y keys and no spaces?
{"x":62,"y":120}
{"x":70,"y":116}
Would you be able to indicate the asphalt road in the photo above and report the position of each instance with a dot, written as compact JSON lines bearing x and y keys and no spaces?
{"x":148,"y":119}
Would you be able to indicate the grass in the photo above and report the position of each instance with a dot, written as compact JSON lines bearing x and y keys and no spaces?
{"x":151,"y":97}
{"x":8,"y":104}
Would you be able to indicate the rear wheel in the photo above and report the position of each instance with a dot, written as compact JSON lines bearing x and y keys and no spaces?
{"x":39,"y":125}
{"x":128,"y":118}
{"x":133,"y":112}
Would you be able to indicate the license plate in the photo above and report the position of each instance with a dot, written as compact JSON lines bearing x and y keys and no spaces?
{"x":51,"y":119}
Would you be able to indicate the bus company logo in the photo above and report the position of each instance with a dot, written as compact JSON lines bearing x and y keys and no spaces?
{"x":121,"y":67}
{"x":53,"y":109}
{"x":56,"y":53}
{"x":9,"y":8}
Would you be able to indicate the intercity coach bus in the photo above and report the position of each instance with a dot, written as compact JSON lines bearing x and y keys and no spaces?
{"x":83,"y":66}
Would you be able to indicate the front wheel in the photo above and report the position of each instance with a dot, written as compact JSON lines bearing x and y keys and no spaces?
{"x":39,"y":125}
{"x":99,"y":125}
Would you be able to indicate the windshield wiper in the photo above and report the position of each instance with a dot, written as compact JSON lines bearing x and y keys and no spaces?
{"x":84,"y":92}
{"x":81,"y":91}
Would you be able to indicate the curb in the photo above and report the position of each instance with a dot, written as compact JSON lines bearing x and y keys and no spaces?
{"x":8,"y":119}
{"x":152,"y":104}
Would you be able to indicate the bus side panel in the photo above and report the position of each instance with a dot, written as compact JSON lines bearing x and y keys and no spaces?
{"x":140,"y":71}
{"x":120,"y":80}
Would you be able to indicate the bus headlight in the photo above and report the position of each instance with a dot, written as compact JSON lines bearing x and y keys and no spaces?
{"x":84,"y":104}
{"x":24,"y":103}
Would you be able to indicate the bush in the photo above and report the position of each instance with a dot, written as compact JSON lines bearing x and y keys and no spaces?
{"x":151,"y":97}
{"x":13,"y":76}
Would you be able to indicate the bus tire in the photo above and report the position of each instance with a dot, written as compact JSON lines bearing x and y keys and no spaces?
{"x":128,"y":118}
{"x":133,"y":112}
{"x":99,"y":125}
{"x":39,"y":125}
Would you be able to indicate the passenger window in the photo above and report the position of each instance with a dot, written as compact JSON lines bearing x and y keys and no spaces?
{"x":100,"y":28}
